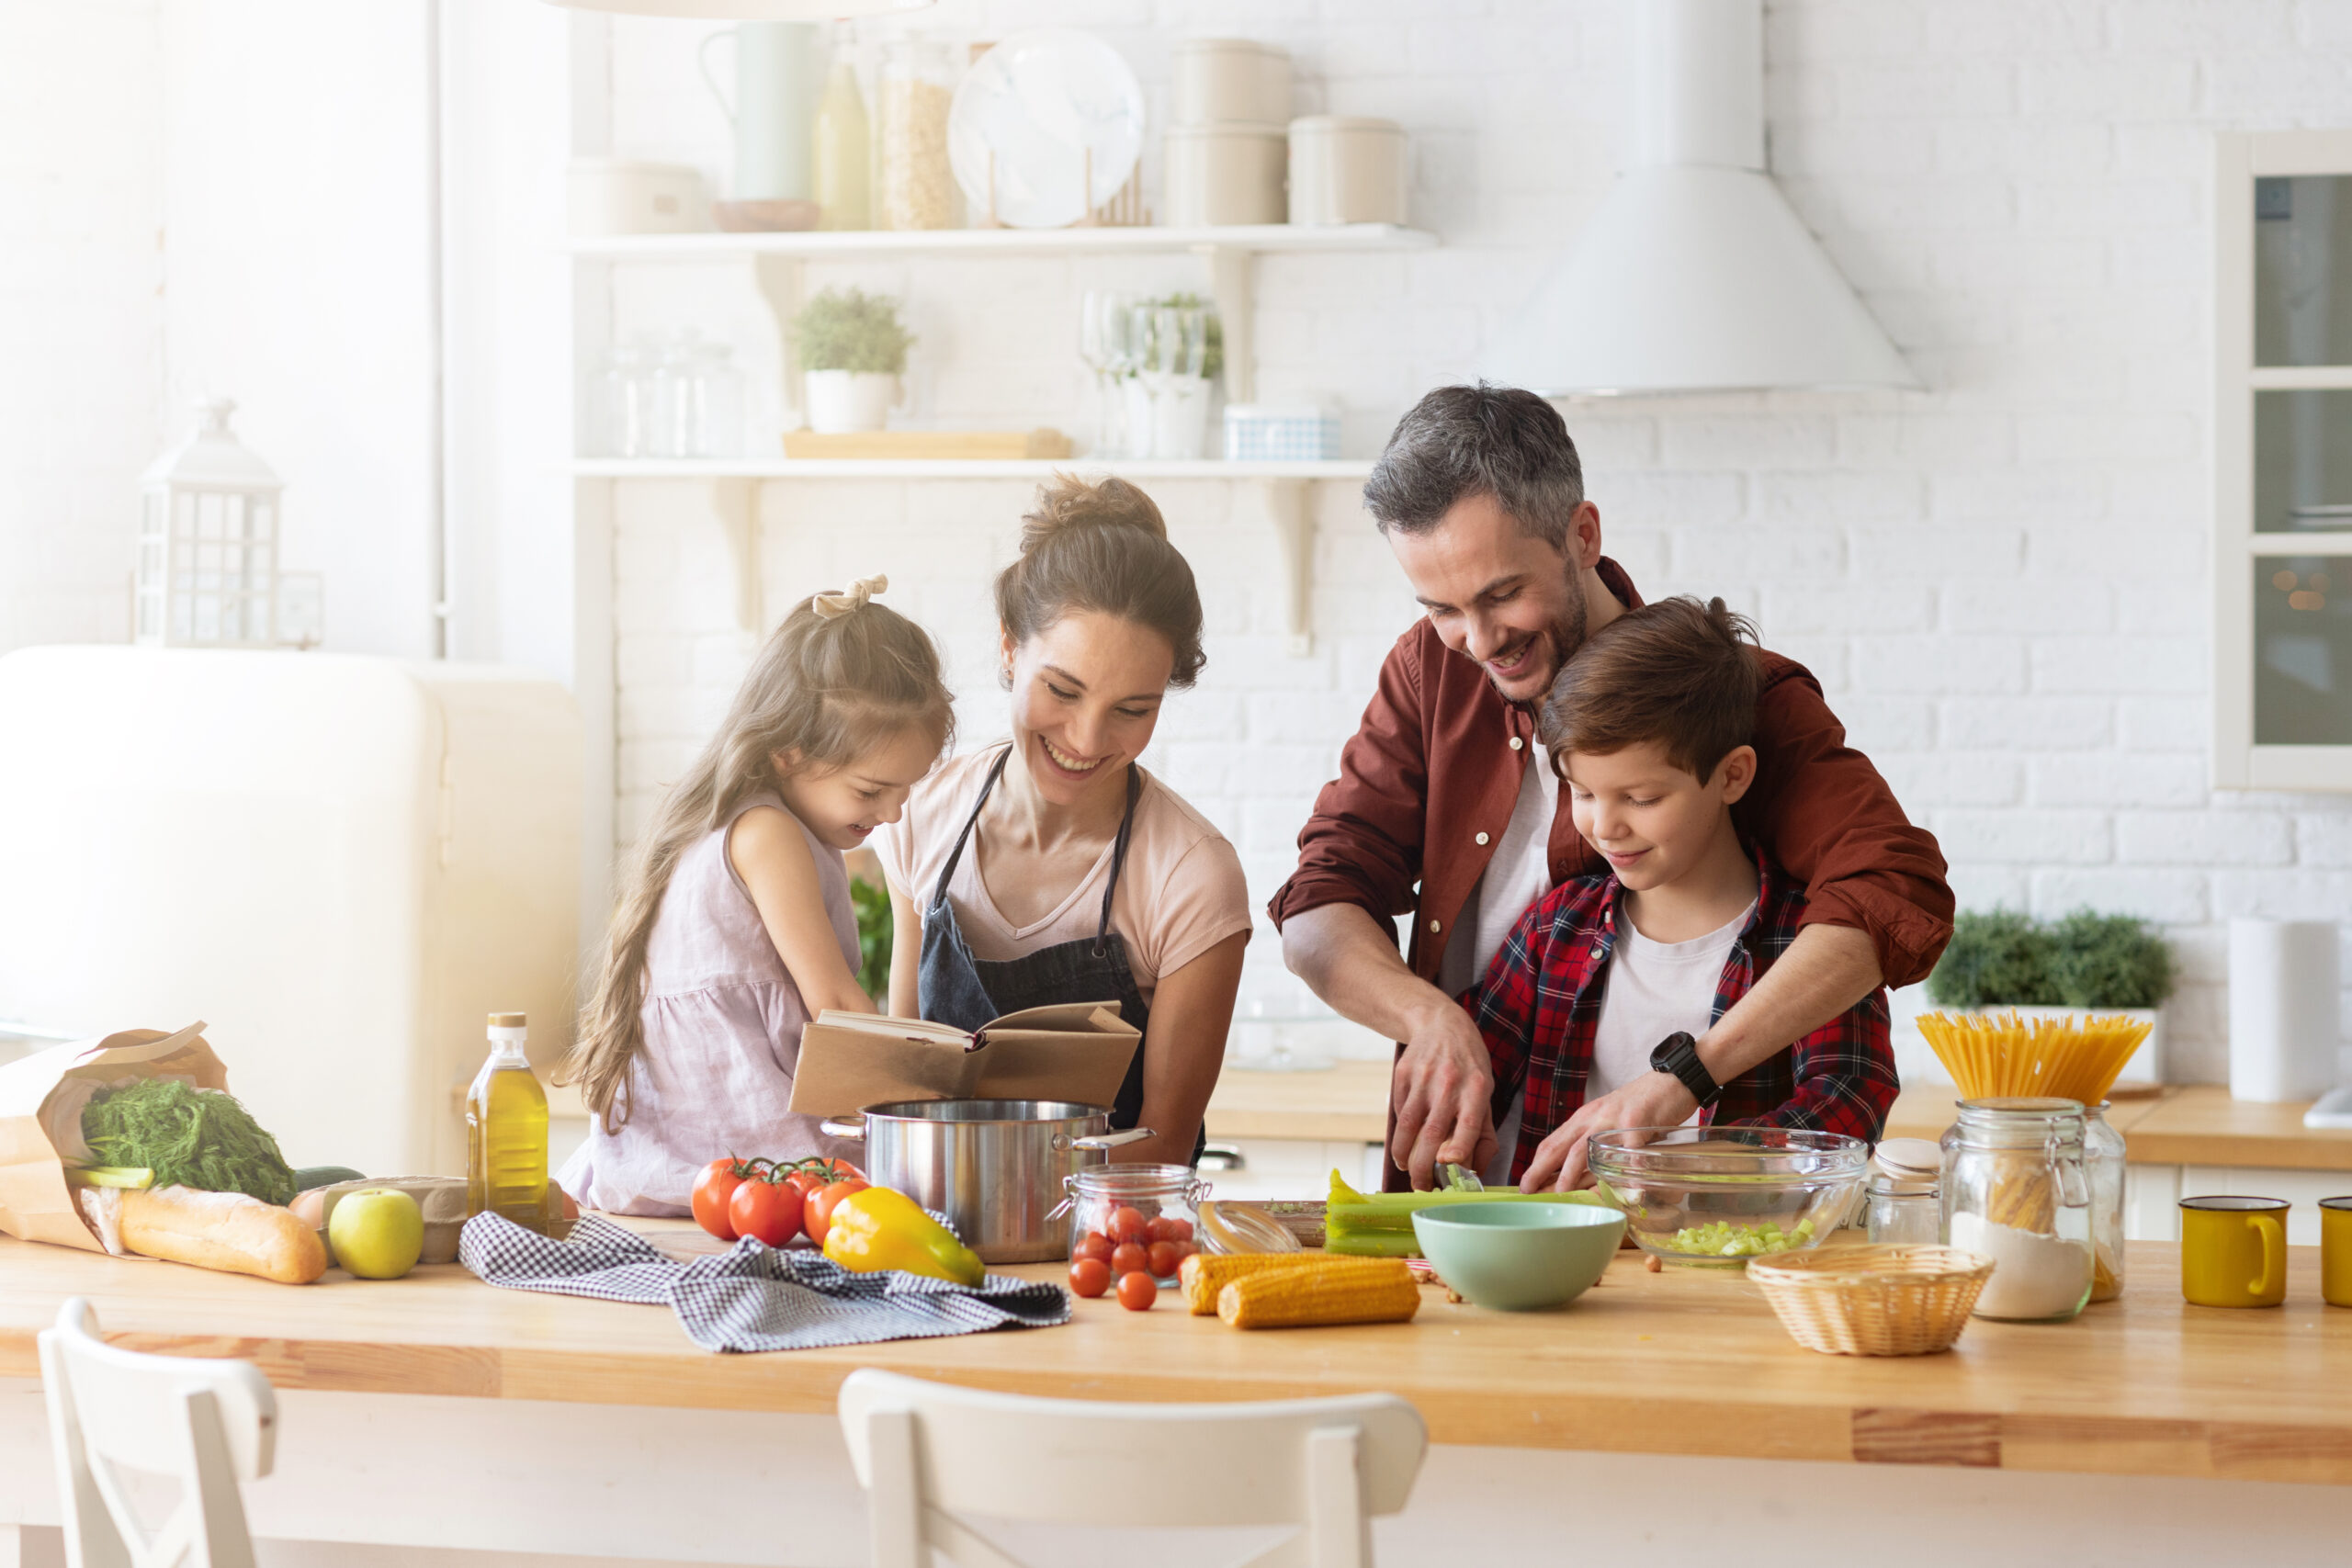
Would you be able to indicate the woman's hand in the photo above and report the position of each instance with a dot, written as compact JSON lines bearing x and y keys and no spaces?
{"x":1192,"y":1010}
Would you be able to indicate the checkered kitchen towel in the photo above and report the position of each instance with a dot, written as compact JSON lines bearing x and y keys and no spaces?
{"x":752,"y":1297}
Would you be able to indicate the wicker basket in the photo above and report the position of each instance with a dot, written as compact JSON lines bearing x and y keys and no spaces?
{"x":1873,"y":1300}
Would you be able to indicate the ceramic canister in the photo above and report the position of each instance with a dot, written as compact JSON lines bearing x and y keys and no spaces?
{"x":1346,"y":169}
{"x":1225,"y":173}
{"x":1228,"y":80}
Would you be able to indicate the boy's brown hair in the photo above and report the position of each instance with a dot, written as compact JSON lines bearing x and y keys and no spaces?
{"x":1677,"y":671}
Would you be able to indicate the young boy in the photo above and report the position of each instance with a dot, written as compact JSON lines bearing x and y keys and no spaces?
{"x":1611,"y":976}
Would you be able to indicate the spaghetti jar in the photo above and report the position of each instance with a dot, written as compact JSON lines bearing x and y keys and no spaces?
{"x":2103,"y":1159}
{"x":1154,"y":1208}
{"x":917,"y":189}
{"x":2015,"y":1190}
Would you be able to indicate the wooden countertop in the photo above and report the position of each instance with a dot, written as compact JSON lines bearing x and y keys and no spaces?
{"x":1684,"y":1361}
{"x":1346,"y":1102}
{"x":2198,"y":1125}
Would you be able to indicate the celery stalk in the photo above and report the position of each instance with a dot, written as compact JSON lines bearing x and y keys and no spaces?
{"x":1380,"y":1224}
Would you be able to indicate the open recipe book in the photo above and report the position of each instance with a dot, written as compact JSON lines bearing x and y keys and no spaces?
{"x":1071,"y":1051}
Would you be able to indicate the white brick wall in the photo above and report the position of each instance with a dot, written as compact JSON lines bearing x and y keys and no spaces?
{"x":2001,"y":581}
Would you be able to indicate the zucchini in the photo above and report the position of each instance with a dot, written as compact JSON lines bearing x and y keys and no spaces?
{"x":310,"y":1175}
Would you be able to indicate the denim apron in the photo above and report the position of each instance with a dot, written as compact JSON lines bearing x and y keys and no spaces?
{"x":966,"y":992}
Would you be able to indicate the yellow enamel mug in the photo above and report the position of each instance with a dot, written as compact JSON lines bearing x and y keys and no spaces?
{"x":2335,"y":1250}
{"x":2233,"y":1251}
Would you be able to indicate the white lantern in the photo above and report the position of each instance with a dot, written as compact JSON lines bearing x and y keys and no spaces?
{"x":207,"y":542}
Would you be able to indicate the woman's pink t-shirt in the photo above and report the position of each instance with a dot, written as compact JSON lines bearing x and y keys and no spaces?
{"x":1180,"y":894}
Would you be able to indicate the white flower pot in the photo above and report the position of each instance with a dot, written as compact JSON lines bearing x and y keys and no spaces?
{"x":844,"y":402}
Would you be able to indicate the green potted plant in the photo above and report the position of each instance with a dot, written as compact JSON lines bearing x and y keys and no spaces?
{"x":2000,"y":961}
{"x":853,"y":350}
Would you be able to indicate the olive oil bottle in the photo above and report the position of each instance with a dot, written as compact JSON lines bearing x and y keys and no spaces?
{"x":506,"y":1131}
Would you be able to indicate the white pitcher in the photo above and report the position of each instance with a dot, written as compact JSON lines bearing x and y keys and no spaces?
{"x":778,"y":71}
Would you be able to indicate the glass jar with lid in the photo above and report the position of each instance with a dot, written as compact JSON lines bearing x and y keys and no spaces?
{"x":1153,"y":1208}
{"x":2103,"y":1159}
{"x":1902,"y":1202}
{"x":2015,"y":1190}
{"x":917,"y":189}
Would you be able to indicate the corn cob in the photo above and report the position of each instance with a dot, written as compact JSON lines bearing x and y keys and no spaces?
{"x":1204,"y":1274}
{"x":1378,"y":1291}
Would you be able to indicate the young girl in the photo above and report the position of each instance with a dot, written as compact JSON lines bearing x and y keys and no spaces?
{"x":735,"y":926}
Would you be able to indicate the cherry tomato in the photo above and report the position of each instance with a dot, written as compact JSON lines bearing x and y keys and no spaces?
{"x":1090,"y":1277}
{"x":817,"y":1216}
{"x":1163,"y":1258}
{"x":819,"y":1174}
{"x":713,"y":1189}
{"x":1128,"y":1225}
{"x":1093,"y":1243}
{"x":1137,"y":1291}
{"x":1129,"y":1257}
{"x":768,"y":1209}
{"x":1178,"y":1229}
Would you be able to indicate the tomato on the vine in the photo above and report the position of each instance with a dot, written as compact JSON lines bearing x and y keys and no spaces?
{"x":713,"y":1188}
{"x":767,"y":1209}
{"x":817,"y":1217}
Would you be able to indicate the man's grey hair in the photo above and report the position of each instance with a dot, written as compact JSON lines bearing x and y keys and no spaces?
{"x":1459,"y":442}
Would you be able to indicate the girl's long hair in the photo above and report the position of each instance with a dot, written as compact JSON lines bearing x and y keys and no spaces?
{"x":826,"y":688}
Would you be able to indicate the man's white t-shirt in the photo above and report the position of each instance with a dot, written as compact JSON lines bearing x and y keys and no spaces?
{"x":1654,"y":989}
{"x":1519,"y":875}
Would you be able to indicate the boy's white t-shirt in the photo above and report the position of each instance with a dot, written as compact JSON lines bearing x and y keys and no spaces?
{"x":1654,"y":989}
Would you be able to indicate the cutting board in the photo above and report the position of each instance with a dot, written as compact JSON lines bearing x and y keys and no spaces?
{"x":964,"y":445}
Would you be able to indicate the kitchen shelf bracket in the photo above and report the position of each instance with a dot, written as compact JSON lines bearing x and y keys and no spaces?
{"x":1289,"y":510}
{"x":735,"y":503}
{"x":1232,"y":283}
{"x":783,"y":283}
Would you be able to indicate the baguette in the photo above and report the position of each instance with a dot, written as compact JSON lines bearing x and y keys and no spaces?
{"x":222,"y":1230}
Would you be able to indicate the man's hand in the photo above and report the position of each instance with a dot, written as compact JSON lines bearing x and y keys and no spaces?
{"x":1442,"y":1090}
{"x":1653,"y":1099}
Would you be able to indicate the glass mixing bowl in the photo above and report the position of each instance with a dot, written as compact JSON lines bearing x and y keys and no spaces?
{"x":1722,"y":1195}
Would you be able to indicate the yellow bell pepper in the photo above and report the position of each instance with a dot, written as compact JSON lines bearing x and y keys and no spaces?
{"x":878,"y":1229}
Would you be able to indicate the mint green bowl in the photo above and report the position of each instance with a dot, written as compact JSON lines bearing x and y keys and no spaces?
{"x":1518,"y":1257}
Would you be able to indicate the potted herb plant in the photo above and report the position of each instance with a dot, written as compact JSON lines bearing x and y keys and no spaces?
{"x":2088,"y":963}
{"x":852,"y":351}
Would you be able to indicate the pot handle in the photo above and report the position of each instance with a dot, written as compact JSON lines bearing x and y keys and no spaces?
{"x":855,"y":1132}
{"x":1113,"y":1139}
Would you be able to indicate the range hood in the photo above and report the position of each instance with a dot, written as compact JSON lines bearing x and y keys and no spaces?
{"x":1694,"y":275}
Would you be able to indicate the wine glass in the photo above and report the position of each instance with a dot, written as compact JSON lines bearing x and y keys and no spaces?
{"x":1106,"y":345}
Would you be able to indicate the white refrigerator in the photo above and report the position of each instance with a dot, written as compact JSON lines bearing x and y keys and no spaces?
{"x":340,"y":864}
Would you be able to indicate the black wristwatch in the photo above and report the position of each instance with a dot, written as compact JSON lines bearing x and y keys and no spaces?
{"x":1678,"y":1054}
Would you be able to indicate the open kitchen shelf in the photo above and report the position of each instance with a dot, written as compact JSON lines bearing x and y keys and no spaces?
{"x":960,"y":468}
{"x":828,"y":243}
{"x":734,"y":482}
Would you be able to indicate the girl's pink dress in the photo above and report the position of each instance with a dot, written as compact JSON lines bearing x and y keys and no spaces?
{"x":722,"y":1036}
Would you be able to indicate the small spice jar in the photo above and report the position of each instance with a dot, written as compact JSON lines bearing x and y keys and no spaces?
{"x":1903,"y":1207}
{"x":2015,"y":1190}
{"x":1153,"y":1208}
{"x":2103,"y":1159}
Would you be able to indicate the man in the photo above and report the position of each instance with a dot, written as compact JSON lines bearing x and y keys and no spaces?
{"x":1438,"y":812}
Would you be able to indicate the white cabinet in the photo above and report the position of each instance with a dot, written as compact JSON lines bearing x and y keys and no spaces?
{"x":2282,"y":461}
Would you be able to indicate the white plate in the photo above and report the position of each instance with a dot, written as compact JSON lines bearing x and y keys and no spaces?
{"x":1040,"y":101}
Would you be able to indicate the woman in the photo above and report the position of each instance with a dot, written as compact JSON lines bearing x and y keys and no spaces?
{"x":1052,"y":868}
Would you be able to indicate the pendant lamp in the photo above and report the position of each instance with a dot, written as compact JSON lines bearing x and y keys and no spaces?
{"x":1695,"y":274}
{"x":746,"y":10}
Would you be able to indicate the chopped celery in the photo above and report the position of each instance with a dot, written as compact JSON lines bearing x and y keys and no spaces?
{"x":1722,"y":1239}
{"x":1380,"y":1224}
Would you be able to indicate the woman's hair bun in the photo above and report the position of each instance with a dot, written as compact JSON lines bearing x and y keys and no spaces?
{"x":1070,"y":503}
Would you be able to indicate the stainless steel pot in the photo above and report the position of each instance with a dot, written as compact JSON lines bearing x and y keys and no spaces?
{"x":994,"y":1168}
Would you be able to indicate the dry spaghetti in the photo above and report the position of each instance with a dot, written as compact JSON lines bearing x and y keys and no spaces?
{"x":2002,"y":1053}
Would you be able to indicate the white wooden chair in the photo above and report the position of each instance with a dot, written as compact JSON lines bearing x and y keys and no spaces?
{"x":1327,"y":1465}
{"x":205,"y":1423}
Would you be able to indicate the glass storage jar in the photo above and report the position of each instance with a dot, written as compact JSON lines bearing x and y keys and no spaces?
{"x":1154,"y":1208}
{"x":2015,"y":1190}
{"x":1903,"y":1207}
{"x":2103,"y":1159}
{"x":917,"y":189}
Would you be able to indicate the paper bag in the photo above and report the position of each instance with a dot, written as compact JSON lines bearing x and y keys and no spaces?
{"x":1071,"y":1051}
{"x":35,"y":1203}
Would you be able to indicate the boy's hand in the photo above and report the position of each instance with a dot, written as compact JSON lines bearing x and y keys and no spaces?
{"x":1653,"y":1099}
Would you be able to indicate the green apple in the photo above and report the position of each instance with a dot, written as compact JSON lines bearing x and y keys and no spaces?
{"x":377,"y":1233}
